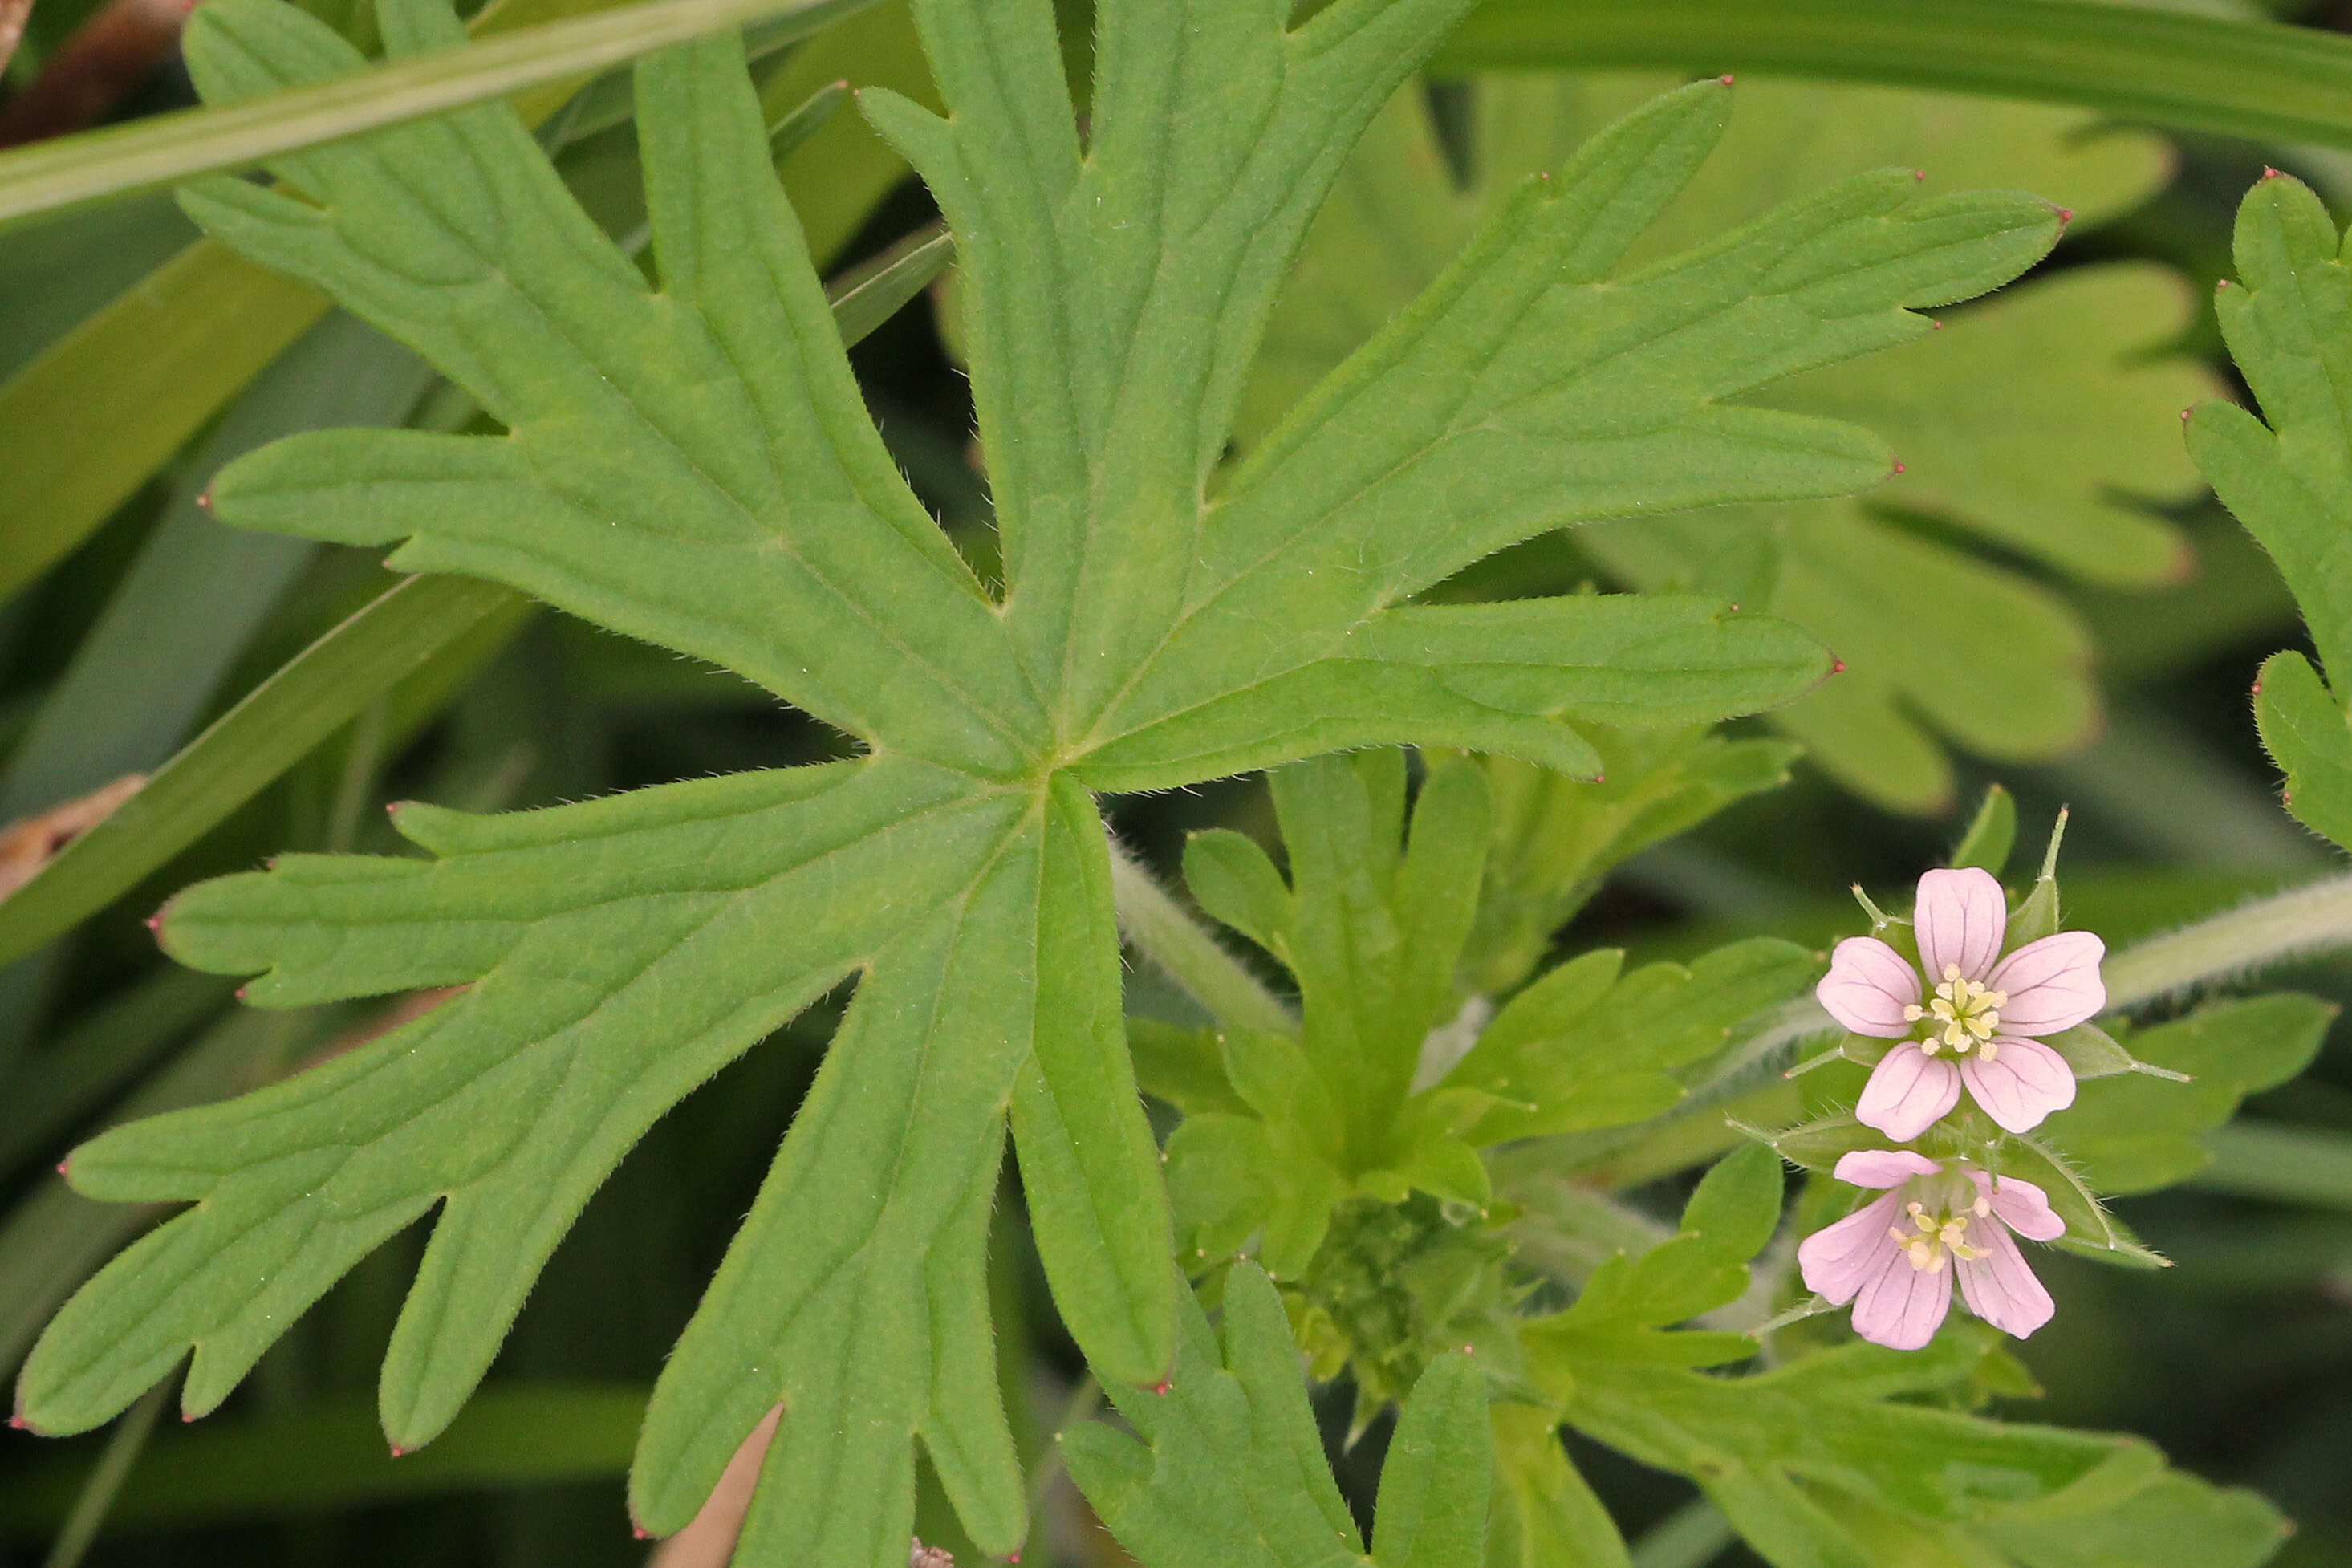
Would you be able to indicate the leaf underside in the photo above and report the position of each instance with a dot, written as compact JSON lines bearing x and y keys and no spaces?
{"x":690,"y":464}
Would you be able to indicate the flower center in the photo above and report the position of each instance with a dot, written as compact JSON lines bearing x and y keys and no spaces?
{"x":1933,"y":1236}
{"x":1962,"y":1015}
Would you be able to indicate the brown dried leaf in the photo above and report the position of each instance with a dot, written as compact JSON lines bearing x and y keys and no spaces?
{"x":27,"y":846}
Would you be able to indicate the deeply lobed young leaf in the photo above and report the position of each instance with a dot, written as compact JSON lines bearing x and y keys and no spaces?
{"x":2289,"y":328}
{"x":1227,"y":1469}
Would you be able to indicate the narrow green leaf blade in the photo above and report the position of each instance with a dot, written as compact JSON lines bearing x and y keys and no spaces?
{"x":73,"y":172}
{"x":2253,"y":79}
{"x":849,"y":1293}
{"x":1432,"y":1511}
{"x":1088,"y":1163}
{"x":251,"y":1469}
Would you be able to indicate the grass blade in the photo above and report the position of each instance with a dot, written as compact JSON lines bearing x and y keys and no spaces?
{"x":78,"y":171}
{"x":2256,"y":79}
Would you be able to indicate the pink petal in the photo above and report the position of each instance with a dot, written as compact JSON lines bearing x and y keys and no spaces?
{"x":1868,"y":987}
{"x":2020,"y":1205}
{"x":1908,"y":1093}
{"x":1837,"y":1259}
{"x":2025,"y":1081}
{"x":2052,"y":985}
{"x":1882,"y":1167}
{"x":1999,"y":1286}
{"x":1901,"y":1307}
{"x":1961,"y":918}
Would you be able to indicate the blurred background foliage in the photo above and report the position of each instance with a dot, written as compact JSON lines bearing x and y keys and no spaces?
{"x":2046,"y":597}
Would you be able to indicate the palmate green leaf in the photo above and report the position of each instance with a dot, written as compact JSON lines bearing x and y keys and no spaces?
{"x":1227,"y":1469}
{"x":1823,"y":1463}
{"x":1993,"y":420}
{"x":691,"y":464}
{"x":2289,"y":327}
{"x":1588,"y":1045}
{"x":1383,"y":1091}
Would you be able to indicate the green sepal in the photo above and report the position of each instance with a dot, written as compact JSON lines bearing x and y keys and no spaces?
{"x":1992,"y":833}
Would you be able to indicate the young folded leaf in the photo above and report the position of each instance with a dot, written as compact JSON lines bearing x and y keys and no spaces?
{"x":689,"y":463}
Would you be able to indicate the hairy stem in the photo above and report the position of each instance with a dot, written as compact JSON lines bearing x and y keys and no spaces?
{"x":1693,"y":1536}
{"x":2311,"y":1166}
{"x":2293,"y":924}
{"x":1159,"y":927}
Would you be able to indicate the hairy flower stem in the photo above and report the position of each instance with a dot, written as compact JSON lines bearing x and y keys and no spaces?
{"x":2293,"y":924}
{"x":1157,"y":927}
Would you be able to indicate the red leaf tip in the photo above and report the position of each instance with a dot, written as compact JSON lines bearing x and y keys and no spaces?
{"x":2269,"y":173}
{"x":1902,"y":467}
{"x":1726,"y":78}
{"x":640,"y":1531}
{"x":63,"y":1169}
{"x":1735,"y":607}
{"x":2258,"y":691}
{"x":1837,"y":666}
{"x":205,"y":499}
{"x":2066,"y":215}
{"x":398,"y":1452}
{"x":1161,"y":1386}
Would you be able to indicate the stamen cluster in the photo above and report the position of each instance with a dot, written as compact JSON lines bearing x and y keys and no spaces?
{"x":1964,"y":1012}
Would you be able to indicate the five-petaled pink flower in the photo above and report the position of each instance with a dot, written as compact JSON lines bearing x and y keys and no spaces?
{"x":1888,"y":1257}
{"x":1977,"y":1020}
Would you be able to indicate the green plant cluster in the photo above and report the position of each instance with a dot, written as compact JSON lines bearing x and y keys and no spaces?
{"x":840,"y":1003}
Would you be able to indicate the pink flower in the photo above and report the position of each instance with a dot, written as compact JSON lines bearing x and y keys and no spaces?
{"x":1979,"y":1026}
{"x":1887,"y":1257}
